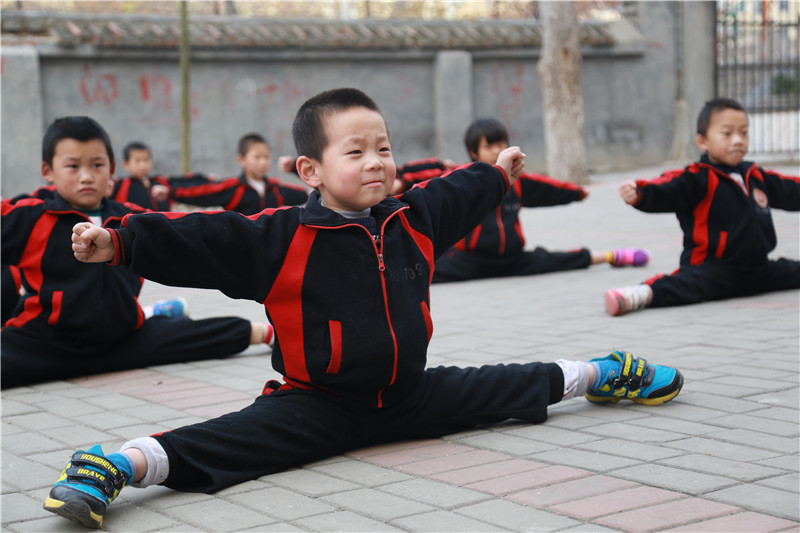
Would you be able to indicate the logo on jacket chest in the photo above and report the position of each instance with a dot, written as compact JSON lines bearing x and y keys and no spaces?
{"x":760,"y":198}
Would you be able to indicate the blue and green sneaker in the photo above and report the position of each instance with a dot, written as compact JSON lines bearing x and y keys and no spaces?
{"x":625,"y":377}
{"x":88,"y":483}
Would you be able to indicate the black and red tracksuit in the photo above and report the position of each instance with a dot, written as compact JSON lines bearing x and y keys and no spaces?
{"x":352,"y":323}
{"x":10,"y":275}
{"x":75,"y":318}
{"x":727,"y":231}
{"x":236,"y":194}
{"x":139,"y":192}
{"x":495,"y":247}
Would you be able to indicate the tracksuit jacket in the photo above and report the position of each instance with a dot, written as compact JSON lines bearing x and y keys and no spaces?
{"x":500,"y":233}
{"x":137,"y":191}
{"x":35,"y":239}
{"x":722,"y":220}
{"x":351,"y":312}
{"x":236,"y":194}
{"x":352,"y":323}
{"x":727,"y":230}
{"x":80,"y":318}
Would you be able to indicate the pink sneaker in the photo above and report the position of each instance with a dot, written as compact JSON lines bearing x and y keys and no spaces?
{"x":625,"y":299}
{"x":630,"y":257}
{"x":615,"y":302}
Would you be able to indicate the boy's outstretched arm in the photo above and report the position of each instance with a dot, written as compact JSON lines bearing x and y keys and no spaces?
{"x":92,"y":244}
{"x":511,"y":160}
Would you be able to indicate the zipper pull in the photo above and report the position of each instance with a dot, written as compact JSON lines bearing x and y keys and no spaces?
{"x":377,"y":239}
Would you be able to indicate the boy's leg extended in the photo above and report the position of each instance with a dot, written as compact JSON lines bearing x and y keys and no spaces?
{"x":782,"y":274}
{"x":694,"y":284}
{"x":27,"y":359}
{"x":540,"y":261}
{"x":451,"y":399}
{"x":166,"y":340}
{"x":284,"y":429}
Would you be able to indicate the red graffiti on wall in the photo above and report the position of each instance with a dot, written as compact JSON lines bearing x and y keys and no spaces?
{"x":156,"y":88}
{"x":102,"y":88}
{"x":509,"y":107}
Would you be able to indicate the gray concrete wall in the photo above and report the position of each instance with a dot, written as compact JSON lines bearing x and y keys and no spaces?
{"x":428,"y":98}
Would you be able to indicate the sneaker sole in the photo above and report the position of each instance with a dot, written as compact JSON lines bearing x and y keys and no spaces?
{"x":614,"y":304}
{"x":76,"y":510}
{"x":674,"y":388}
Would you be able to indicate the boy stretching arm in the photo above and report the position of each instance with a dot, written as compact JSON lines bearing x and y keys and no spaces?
{"x":346,"y":282}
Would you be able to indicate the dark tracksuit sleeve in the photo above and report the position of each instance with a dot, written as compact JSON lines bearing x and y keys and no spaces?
{"x":291,"y":195}
{"x":205,"y":250}
{"x":204,"y":192}
{"x":420,"y":170}
{"x":671,"y":192}
{"x":459,"y":201}
{"x":538,"y":190}
{"x":783,"y":190}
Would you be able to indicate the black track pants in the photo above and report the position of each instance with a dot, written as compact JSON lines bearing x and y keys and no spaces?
{"x":710,"y":281}
{"x":161,"y":340}
{"x":290,"y":427}
{"x":461,"y":266}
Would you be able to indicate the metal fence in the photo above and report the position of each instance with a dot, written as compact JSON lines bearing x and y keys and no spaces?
{"x":758,"y":64}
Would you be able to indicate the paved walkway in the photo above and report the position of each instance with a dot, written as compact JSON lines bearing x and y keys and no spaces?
{"x":723,"y":456}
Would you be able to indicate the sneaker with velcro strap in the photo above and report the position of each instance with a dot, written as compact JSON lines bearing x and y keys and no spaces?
{"x":87,"y":485}
{"x":625,"y":377}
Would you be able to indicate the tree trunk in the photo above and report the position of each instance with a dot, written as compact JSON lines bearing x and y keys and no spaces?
{"x":560,"y":72}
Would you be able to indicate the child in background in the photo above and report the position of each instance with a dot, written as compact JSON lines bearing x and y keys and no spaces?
{"x":74,"y":319}
{"x":346,"y":280}
{"x":252,"y":191}
{"x":723,"y":206}
{"x":495,"y":248}
{"x":142,"y":189}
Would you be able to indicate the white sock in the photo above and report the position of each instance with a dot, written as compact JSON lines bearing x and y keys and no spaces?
{"x":576,"y":378}
{"x":157,"y":462}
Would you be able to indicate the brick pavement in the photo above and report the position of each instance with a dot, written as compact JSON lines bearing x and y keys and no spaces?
{"x":723,"y":456}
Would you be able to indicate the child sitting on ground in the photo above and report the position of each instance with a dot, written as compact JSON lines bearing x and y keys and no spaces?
{"x":352,"y":325}
{"x":495,"y":247}
{"x":249,"y":193}
{"x":74,"y":319}
{"x":723,"y":206}
{"x":142,"y":189}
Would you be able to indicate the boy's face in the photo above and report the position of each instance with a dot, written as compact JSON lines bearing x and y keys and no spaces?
{"x":357,"y":169}
{"x":256,"y":161}
{"x":139,"y":164}
{"x":726,"y":139}
{"x":81,"y":172}
{"x":488,"y":152}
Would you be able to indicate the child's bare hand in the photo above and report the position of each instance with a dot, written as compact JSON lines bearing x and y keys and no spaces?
{"x":286,"y":163}
{"x":159,"y":192}
{"x":629,"y":192}
{"x":511,"y":160}
{"x":91,"y":244}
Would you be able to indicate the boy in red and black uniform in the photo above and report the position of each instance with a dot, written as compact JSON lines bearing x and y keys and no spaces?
{"x":347,"y":281}
{"x":251,"y":192}
{"x":146,"y":191}
{"x":495,"y":248}
{"x":75,"y":319}
{"x":723,"y":206}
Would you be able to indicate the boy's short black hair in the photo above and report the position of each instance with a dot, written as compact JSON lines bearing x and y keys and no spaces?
{"x":248,"y":141}
{"x":134,"y":145}
{"x":488,"y":127}
{"x":76,"y":127}
{"x":711,"y":107}
{"x":308,"y":130}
